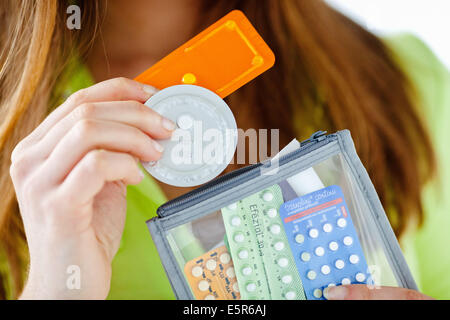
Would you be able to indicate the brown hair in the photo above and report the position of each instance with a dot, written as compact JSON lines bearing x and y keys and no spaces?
{"x":330,"y":74}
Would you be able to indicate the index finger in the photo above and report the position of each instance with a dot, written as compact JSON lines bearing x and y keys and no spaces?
{"x":117,"y":89}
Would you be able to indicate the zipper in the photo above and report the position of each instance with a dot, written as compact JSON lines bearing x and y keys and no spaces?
{"x":317,"y":140}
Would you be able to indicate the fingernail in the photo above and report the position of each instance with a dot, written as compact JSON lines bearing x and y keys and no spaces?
{"x":149,"y":90}
{"x":168,"y":124}
{"x":141,"y":174}
{"x":335,"y":293}
{"x":149,"y":164}
{"x":157,"y":146}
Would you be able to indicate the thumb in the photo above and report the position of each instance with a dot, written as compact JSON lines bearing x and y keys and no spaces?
{"x":364,"y":292}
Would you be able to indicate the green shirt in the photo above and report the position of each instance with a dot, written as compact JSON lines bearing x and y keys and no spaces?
{"x":427,"y":249}
{"x":137,"y":270}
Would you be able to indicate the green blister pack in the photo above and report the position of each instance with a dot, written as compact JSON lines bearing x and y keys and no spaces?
{"x":245,"y":253}
{"x":258,"y":245}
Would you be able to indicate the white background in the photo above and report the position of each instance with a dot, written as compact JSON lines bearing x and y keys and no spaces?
{"x":428,"y":19}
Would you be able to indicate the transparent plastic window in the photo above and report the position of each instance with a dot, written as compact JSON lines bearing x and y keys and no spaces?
{"x":287,"y":241}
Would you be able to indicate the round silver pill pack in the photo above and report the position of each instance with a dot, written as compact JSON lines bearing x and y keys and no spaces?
{"x":204,"y":142}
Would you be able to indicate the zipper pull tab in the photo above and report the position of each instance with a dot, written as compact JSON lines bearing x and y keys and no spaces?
{"x":315,"y":137}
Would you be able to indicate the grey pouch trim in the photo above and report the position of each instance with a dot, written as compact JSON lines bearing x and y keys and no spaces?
{"x":174,"y":274}
{"x":395,"y":255}
{"x":214,"y":197}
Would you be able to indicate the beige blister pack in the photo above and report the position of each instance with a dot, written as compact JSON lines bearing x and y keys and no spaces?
{"x":212,"y":276}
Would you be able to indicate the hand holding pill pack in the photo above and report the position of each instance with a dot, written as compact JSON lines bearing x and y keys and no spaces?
{"x":323,"y":241}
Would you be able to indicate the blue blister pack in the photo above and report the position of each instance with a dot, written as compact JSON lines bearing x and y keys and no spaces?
{"x":324,"y":241}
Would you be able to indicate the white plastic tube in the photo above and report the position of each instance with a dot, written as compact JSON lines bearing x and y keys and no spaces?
{"x":303,"y":182}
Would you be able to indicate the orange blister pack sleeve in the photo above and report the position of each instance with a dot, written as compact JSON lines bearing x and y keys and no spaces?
{"x":212,"y":276}
{"x":222,"y":58}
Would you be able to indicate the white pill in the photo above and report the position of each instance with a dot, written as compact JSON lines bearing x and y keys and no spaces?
{"x":331,"y":285}
{"x":360,"y":277}
{"x":203,"y":285}
{"x":311,"y":274}
{"x":197,"y":271}
{"x":239,"y":237}
{"x":290,"y":295}
{"x":319,"y":251}
{"x":251,"y":287}
{"x":243,"y":254}
{"x":333,"y":246}
{"x":354,"y":258}
{"x":325,"y":269}
{"x":286,"y":279}
{"x":235,"y":287}
{"x":339,"y":264}
{"x":313,"y":233}
{"x":211,"y":264}
{"x":275,"y":229}
{"x":305,"y":256}
{"x":232,"y":206}
{"x":348,"y":241}
{"x":317,"y":293}
{"x":268,"y":196}
{"x":230,"y":272}
{"x":272,"y":213}
{"x":279,"y":246}
{"x":327,"y":227}
{"x":283,"y":262}
{"x":225,"y":258}
{"x":341,"y":222}
{"x":210,"y":297}
{"x":236,"y":221}
{"x":299,"y":238}
{"x":185,"y":122}
{"x":346,"y":281}
{"x":247,"y":271}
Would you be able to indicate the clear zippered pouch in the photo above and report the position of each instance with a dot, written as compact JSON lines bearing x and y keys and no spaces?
{"x":286,"y":228}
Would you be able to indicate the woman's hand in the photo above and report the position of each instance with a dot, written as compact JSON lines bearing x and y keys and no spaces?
{"x":70,"y":177}
{"x":364,"y":292}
